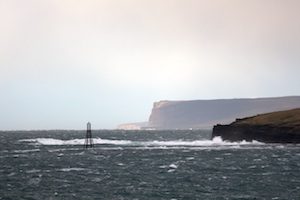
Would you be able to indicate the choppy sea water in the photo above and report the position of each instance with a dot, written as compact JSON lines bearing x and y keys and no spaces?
{"x":144,"y":165}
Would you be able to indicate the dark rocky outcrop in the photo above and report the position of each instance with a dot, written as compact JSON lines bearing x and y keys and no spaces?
{"x":276,"y":127}
{"x":206,"y":113}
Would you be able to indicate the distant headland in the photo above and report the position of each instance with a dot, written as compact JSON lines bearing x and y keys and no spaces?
{"x":204,"y":114}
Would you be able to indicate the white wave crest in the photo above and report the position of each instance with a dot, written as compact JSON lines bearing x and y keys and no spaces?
{"x":217,"y":141}
{"x":71,"y":169}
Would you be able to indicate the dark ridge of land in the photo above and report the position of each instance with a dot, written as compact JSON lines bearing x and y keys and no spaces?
{"x":275,"y":127}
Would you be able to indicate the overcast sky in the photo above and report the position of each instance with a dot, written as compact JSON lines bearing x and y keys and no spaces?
{"x":66,"y":62}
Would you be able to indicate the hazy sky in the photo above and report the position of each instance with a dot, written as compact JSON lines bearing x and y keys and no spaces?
{"x":66,"y":62}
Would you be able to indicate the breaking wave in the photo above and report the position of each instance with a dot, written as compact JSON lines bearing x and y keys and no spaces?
{"x":217,"y":141}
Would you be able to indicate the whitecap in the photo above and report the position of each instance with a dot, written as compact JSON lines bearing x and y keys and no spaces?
{"x":52,"y":141}
{"x":33,"y":171}
{"x":71,"y":169}
{"x":190,"y":158}
{"x":215,"y":142}
{"x":171,"y":170}
{"x":26,"y":151}
{"x":120,"y":164}
{"x":163,"y":166}
{"x":173,"y":166}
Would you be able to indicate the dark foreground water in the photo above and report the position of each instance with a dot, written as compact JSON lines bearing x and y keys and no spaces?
{"x":144,"y":165}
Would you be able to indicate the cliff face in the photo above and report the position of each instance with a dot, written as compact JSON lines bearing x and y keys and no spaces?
{"x":276,"y":127}
{"x":206,"y":113}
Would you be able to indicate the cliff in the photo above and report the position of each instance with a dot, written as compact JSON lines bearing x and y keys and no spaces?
{"x":275,"y":127}
{"x":206,"y":113}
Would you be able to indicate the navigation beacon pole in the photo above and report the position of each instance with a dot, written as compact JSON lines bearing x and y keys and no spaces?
{"x":88,"y":139}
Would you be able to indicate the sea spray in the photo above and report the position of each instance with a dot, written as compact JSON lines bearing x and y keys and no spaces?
{"x":217,"y":141}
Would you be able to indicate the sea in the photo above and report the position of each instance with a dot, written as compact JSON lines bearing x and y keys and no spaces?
{"x":142,"y":165}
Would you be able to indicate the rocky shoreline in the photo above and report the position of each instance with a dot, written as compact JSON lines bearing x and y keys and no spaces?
{"x":266,"y":134}
{"x":277,"y":127}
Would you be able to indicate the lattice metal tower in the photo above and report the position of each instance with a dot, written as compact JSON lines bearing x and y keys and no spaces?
{"x":88,"y":139}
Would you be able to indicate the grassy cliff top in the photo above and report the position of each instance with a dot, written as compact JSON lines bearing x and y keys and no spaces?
{"x":288,"y":118}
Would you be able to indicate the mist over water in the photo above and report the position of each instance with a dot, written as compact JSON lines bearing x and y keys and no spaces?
{"x":144,"y":165}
